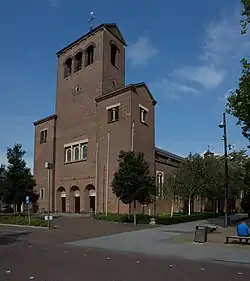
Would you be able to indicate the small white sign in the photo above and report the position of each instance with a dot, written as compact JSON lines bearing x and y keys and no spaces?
{"x":50,"y":218}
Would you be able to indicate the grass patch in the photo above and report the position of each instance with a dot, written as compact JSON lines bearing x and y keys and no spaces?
{"x":23,"y":220}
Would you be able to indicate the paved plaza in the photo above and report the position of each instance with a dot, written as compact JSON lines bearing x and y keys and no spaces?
{"x":84,"y":249}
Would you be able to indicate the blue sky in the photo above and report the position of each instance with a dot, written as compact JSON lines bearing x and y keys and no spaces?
{"x":187,"y":52}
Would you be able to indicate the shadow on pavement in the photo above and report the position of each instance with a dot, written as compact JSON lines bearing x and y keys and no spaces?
{"x":11,"y":238}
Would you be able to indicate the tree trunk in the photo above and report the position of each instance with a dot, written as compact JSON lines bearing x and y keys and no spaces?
{"x":143,"y":209}
{"x":201,"y":208}
{"x":135,"y":221}
{"x":172,"y":208}
{"x":129,"y":209}
{"x":189,"y":206}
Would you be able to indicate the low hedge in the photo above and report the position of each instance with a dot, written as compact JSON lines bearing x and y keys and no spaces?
{"x":123,"y":218}
{"x":23,"y":220}
{"x":182,"y":218}
{"x":163,"y":219}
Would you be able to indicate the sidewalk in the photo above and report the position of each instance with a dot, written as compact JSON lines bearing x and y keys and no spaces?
{"x":157,"y":241}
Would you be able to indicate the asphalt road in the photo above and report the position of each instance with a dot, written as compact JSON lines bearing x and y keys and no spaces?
{"x":37,"y":255}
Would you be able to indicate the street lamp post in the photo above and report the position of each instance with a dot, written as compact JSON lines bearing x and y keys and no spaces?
{"x":48,"y":166}
{"x":223,"y":126}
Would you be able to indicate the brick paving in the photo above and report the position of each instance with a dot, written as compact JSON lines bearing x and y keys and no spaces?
{"x":75,"y":228}
{"x":28,"y":254}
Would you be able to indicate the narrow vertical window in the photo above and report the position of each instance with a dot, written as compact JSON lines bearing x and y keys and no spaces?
{"x":67,"y":67}
{"x":76,"y":153}
{"x":41,"y":194}
{"x":78,"y":61}
{"x":89,"y":55}
{"x":68,"y":155}
{"x":113,"y":114}
{"x":113,"y":54}
{"x":43,"y":136}
{"x":160,"y":181}
{"x":84,"y":148}
{"x":143,"y":114}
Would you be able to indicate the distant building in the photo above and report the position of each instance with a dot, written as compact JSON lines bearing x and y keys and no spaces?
{"x":96,"y":117}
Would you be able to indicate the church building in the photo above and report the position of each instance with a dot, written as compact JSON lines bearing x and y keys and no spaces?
{"x":96,"y":116}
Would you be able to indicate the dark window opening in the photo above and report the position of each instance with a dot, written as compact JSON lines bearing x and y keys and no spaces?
{"x":78,"y":61}
{"x":67,"y":67}
{"x":113,"y":114}
{"x":89,"y":55}
{"x":113,"y":54}
{"x":42,"y":193}
{"x":43,"y":136}
{"x":76,"y":153}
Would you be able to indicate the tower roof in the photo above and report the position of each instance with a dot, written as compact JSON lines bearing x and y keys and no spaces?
{"x":111,"y":27}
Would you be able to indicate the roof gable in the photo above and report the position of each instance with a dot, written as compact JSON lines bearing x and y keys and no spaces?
{"x":111,"y":27}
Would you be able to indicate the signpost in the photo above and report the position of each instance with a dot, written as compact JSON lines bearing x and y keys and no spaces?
{"x":48,"y":166}
{"x":28,"y":205}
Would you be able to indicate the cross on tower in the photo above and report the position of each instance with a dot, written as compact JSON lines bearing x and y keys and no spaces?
{"x":91,"y":19}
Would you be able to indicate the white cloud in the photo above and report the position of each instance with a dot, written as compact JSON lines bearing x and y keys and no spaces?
{"x":171,"y":89}
{"x":29,"y":160}
{"x":223,"y":46}
{"x":223,"y":43}
{"x":206,"y":76}
{"x":141,"y":51}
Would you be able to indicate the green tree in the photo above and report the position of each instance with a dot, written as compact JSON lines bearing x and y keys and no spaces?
{"x":214,"y":176}
{"x":213,"y":180}
{"x":245,"y":12}
{"x":245,"y":203}
{"x":189,"y":178}
{"x":132,"y":181}
{"x":237,"y":168}
{"x":18,"y":180}
{"x":238,"y":103}
{"x":2,"y":176}
{"x":171,"y":189}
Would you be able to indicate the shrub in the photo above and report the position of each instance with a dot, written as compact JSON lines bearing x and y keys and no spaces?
{"x":22,"y":220}
{"x":124,"y":218}
{"x":167,"y":220}
{"x":163,"y":219}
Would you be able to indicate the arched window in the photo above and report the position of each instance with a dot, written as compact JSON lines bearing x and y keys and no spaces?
{"x":68,"y":155}
{"x":113,"y":54}
{"x":78,"y":61}
{"x":89,"y":58}
{"x":160,"y":181}
{"x":76,"y":153}
{"x":67,"y":67}
{"x":84,"y":149}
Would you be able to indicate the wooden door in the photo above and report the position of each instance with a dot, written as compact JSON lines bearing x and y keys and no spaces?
{"x":63,"y":204}
{"x":77,"y":204}
{"x":92,"y":203}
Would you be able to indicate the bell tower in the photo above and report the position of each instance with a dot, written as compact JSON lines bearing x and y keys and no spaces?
{"x":89,"y":67}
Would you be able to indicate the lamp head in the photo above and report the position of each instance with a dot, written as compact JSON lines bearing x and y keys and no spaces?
{"x":221,"y":125}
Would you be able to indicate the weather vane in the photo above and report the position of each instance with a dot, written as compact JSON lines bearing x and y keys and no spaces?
{"x":91,"y":19}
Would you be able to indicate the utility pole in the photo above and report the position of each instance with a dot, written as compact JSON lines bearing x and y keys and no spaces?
{"x":223,"y":126}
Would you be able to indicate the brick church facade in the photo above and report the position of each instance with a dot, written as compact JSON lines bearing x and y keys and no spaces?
{"x":96,"y":116}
